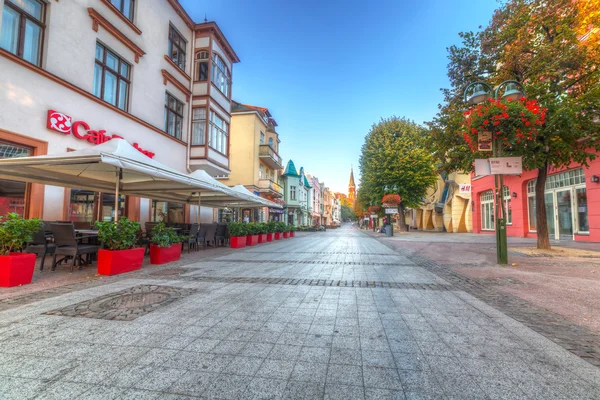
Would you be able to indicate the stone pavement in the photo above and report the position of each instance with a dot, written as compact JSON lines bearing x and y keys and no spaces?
{"x":282,"y":320}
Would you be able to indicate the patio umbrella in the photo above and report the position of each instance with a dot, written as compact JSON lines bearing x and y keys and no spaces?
{"x":115,"y":167}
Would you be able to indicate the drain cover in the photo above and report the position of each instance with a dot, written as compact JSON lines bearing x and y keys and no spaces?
{"x":125,"y":305}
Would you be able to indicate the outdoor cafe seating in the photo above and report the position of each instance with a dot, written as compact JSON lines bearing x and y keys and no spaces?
{"x":68,"y":244}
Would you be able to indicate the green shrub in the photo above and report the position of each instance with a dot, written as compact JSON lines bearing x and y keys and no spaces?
{"x":164,"y":236}
{"x":272,"y":227}
{"x":280,"y":227}
{"x":237,"y":229}
{"x":16,"y":232}
{"x":120,"y":236}
{"x":263,"y":228}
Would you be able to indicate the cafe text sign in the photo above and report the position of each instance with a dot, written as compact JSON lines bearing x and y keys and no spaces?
{"x":64,"y":124}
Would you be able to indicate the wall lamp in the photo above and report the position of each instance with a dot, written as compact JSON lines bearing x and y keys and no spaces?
{"x":514,"y":194}
{"x":595,"y":179}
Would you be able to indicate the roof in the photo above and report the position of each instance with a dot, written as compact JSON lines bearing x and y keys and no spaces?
{"x":290,"y":169}
{"x":306,"y":184}
{"x":351,"y":178}
{"x":262,"y":111}
{"x":212,"y":27}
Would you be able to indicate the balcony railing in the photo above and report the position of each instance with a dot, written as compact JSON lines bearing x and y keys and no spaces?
{"x":270,"y":156}
{"x":266,"y":185}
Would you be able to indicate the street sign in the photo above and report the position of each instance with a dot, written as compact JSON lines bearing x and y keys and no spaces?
{"x":484,"y":141}
{"x":506,"y":166}
{"x":391,"y":211}
{"x":482,"y":167}
{"x":373,"y":216}
{"x":464,"y":188}
{"x":366,"y":218}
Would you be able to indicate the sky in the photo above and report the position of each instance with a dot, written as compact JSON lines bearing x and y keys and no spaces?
{"x":328,"y":70}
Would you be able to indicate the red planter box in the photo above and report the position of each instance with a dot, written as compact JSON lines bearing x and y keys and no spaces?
{"x":278,"y":235}
{"x":113,"y":262}
{"x":162,"y":255}
{"x":269,"y":237}
{"x":262,"y":238}
{"x":16,"y":269}
{"x":293,"y":234}
{"x":251,"y":240}
{"x":237,"y":242}
{"x":286,"y":235}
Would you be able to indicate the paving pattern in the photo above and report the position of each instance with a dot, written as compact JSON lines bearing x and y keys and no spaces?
{"x":244,"y":330}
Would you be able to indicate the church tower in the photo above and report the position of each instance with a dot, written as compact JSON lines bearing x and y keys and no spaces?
{"x":351,"y":188}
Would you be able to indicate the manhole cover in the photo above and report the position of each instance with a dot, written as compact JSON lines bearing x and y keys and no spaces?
{"x":125,"y":305}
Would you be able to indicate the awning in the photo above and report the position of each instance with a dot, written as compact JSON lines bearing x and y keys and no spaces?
{"x":117,"y":167}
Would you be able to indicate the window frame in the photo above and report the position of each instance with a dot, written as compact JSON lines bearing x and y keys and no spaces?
{"x":507,"y":203}
{"x":212,"y":125}
{"x":200,"y":121}
{"x":292,"y":192}
{"x":23,"y":17}
{"x":122,"y":7}
{"x":487,"y":204}
{"x":168,"y":110}
{"x":226,"y":72}
{"x":173,"y":31}
{"x":198,"y":61}
{"x":118,"y":74}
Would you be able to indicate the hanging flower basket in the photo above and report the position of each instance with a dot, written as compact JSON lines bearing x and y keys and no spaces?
{"x":374,"y":209}
{"x":391,"y":200}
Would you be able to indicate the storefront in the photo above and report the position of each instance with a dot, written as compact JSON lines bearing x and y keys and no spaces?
{"x":572,"y":198}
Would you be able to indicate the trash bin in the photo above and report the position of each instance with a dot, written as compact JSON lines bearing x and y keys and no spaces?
{"x":389,"y":230}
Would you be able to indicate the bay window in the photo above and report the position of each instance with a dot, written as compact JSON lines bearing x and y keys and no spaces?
{"x":201,"y":66}
{"x":23,"y":29}
{"x":219,"y":133}
{"x":220,"y":75}
{"x":198,"y":126}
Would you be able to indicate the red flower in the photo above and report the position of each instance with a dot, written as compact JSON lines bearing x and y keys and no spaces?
{"x":496,"y":123}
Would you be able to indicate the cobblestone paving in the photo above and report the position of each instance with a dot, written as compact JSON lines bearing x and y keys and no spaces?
{"x":253,"y":339}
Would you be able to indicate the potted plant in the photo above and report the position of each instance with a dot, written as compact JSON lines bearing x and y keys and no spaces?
{"x":286,"y":232}
{"x":253,"y":231}
{"x":262,"y":232}
{"x":292,"y":231}
{"x":120,"y":253}
{"x":271,"y":228}
{"x":237,"y":235}
{"x":165,"y":244}
{"x":16,"y":268}
{"x":279,"y":228}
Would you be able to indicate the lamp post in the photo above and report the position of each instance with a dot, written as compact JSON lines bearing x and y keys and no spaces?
{"x":480,"y":92}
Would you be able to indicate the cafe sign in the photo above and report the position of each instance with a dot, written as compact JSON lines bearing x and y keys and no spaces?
{"x":64,"y":124}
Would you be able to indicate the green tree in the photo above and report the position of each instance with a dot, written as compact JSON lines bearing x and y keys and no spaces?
{"x":540,"y":44}
{"x":347,"y":213}
{"x":396,"y":153}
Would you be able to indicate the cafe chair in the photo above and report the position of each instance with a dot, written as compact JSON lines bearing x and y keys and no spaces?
{"x":67,"y":245}
{"x":201,"y":235}
{"x":221,"y":235}
{"x":192,"y":238}
{"x":211,"y":231}
{"x":40,"y":247}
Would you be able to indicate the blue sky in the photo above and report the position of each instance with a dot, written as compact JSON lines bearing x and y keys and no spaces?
{"x":327,"y":70}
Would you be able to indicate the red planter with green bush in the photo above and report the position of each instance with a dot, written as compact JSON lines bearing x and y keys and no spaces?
{"x":262,"y":238}
{"x":252,"y":240}
{"x":286,"y":235}
{"x":16,"y":269}
{"x":113,"y":262}
{"x":237,"y":242}
{"x":163,"y":255}
{"x":269,"y":237}
{"x":278,"y":235}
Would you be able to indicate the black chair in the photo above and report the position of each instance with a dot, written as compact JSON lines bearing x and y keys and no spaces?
{"x":192,"y":237}
{"x":211,"y":232}
{"x":221,"y":235}
{"x":201,"y":235}
{"x":40,"y":246}
{"x":67,"y":245}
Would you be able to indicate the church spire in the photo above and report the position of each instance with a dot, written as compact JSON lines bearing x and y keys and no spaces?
{"x":351,"y":184}
{"x":351,"y":187}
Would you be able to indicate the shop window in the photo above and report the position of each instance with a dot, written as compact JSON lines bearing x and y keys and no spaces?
{"x":167,"y":212}
{"x":23,"y":29}
{"x":219,"y":133}
{"x":507,"y":204}
{"x":199,"y":126}
{"x":111,"y":77}
{"x":487,"y":211}
{"x":202,"y":66}
{"x":220,"y":75}
{"x":173,"y":116}
{"x":88,"y":206}
{"x":125,"y":7}
{"x":177,"y":47}
{"x":13,"y":193}
{"x":582,"y":211}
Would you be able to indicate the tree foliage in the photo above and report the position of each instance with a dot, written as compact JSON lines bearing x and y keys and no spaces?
{"x":396,"y":153}
{"x":551,"y":47}
{"x":347,"y":213}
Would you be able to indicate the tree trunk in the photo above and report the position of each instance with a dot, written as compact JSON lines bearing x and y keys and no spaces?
{"x":543,"y":241}
{"x":401,"y":219}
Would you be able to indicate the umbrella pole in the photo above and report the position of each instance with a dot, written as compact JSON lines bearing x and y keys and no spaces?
{"x":199,"y":206}
{"x":118,"y":183}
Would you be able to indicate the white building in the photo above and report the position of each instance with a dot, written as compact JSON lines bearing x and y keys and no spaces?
{"x":75,"y":73}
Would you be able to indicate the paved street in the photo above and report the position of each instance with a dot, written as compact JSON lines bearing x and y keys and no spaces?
{"x":334,"y":315}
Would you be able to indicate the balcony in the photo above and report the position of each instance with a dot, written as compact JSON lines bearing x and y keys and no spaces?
{"x":270,"y":157}
{"x":269,"y":187}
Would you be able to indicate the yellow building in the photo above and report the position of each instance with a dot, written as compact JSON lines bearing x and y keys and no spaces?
{"x":254,"y":158}
{"x":446,"y":206}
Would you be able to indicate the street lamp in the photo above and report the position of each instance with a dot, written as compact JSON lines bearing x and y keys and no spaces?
{"x":480,"y":92}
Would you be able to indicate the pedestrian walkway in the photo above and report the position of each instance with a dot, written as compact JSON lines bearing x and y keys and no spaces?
{"x":283,"y":320}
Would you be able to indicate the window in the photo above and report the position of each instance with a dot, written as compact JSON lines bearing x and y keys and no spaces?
{"x":13,"y":193}
{"x":177,"y":46}
{"x":219,"y":132}
{"x":220,"y":75}
{"x":173,"y":116}
{"x":201,"y":66}
{"x":167,"y":212}
{"x":198,"y":126}
{"x":111,"y":77}
{"x":262,"y":137}
{"x":582,"y":210}
{"x":23,"y":29}
{"x":261,"y":171}
{"x":507,"y":205}
{"x":271,"y":143}
{"x":487,"y":211}
{"x":292,"y":192}
{"x":125,"y":7}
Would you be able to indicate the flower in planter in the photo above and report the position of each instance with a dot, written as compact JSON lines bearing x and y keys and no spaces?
{"x":122,"y":235}
{"x":16,"y":232}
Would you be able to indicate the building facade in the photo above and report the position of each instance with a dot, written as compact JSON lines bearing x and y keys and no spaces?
{"x":316,"y":200}
{"x":297,"y":192}
{"x":572,"y":198}
{"x":255,"y":162}
{"x":78,"y":73}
